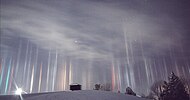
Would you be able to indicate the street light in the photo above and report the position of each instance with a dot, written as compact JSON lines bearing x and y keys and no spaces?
{"x":19,"y":91}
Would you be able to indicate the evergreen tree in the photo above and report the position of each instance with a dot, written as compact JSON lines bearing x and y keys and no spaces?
{"x":174,"y":90}
{"x":130,"y":91}
{"x":157,"y":88}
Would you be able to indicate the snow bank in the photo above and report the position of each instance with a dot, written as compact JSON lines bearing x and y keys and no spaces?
{"x":74,"y":95}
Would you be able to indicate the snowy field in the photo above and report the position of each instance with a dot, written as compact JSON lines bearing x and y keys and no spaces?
{"x":73,"y":95}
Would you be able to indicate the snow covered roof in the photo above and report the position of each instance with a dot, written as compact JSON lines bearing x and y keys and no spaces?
{"x":74,"y":95}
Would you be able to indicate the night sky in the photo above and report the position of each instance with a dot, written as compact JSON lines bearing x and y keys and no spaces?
{"x":45,"y":45}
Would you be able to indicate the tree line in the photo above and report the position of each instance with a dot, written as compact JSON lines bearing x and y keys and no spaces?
{"x":175,"y":89}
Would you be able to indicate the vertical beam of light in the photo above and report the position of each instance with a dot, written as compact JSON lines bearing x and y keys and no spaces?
{"x":144,"y":59}
{"x":155,"y":71}
{"x":70,"y":73}
{"x":62,"y":78}
{"x":177,"y":69}
{"x":126,"y":46}
{"x":40,"y":79}
{"x":8,"y":76}
{"x":165,"y":68}
{"x":11,"y":77}
{"x":113,"y":76}
{"x":36,"y":62}
{"x":160,"y":64}
{"x":32,"y":79}
{"x":54,"y":72}
{"x":131,"y":49}
{"x":139,"y":77}
{"x":119,"y":77}
{"x":47,"y":80}
{"x":88,"y":75}
{"x":132,"y":79}
{"x":187,"y":64}
{"x":146,"y":71}
{"x":84,"y":79}
{"x":18,"y":58}
{"x":2,"y":72}
{"x":65,"y":75}
{"x":151,"y":71}
{"x":127,"y":76}
{"x":1,"y":66}
{"x":36,"y":67}
{"x":130,"y":63}
{"x":170,"y":49}
{"x":29,"y":69}
{"x":89,"y":71}
{"x":183,"y":71}
{"x":25,"y":64}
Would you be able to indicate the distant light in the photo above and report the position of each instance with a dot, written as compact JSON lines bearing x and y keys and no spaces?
{"x":18,"y":91}
{"x":76,"y":41}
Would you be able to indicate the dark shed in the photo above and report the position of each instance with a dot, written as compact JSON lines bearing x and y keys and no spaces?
{"x":74,"y":87}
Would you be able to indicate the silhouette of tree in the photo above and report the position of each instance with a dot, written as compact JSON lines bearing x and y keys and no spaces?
{"x":130,"y":91}
{"x":174,"y":90}
{"x":157,"y":88}
{"x":97,"y":87}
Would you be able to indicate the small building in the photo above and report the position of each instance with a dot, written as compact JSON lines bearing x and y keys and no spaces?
{"x":75,"y":87}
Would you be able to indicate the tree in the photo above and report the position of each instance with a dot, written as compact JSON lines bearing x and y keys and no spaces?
{"x":156,"y":89}
{"x":186,"y":82}
{"x":103,"y":87}
{"x":97,"y":87}
{"x":130,"y":91}
{"x":174,"y":90}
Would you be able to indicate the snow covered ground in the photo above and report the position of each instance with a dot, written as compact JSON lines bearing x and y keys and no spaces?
{"x":73,"y":95}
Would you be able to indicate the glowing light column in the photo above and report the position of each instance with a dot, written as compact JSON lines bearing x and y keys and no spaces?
{"x":65,"y":76}
{"x":11,"y":77}
{"x":54,"y":72}
{"x":40,"y":79}
{"x":113,"y":77}
{"x":32,"y":79}
{"x":1,"y":66}
{"x":8,"y":76}
{"x":70,"y":73}
{"x":25,"y":64}
{"x":2,"y":72}
{"x":18,"y":58}
{"x":47,"y":80}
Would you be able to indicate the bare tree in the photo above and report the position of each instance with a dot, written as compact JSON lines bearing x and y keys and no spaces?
{"x":97,"y":87}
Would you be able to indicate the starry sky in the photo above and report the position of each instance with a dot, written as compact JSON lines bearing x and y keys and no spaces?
{"x":46,"y":45}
